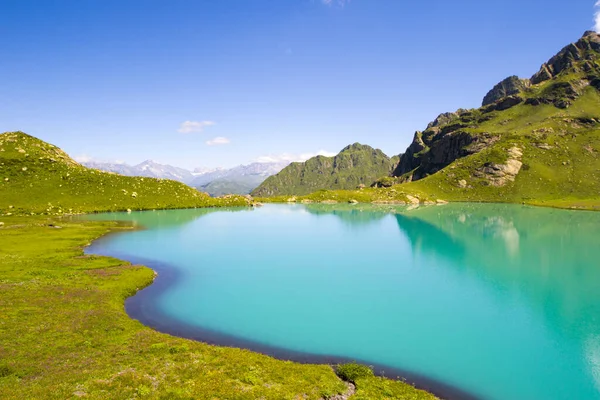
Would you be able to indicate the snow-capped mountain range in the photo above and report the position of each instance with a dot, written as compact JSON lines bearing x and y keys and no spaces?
{"x":239,"y":180}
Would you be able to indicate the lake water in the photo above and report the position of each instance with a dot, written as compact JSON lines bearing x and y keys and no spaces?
{"x":500,"y":301}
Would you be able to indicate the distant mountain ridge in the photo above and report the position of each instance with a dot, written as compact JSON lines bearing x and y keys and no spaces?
{"x":240,"y":180}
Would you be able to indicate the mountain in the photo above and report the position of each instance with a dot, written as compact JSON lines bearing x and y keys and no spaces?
{"x":355,"y":165}
{"x":250,"y":175}
{"x":242,"y":185}
{"x":534,"y":141}
{"x":37,"y":177}
{"x":237,"y":180}
{"x":538,"y":115}
{"x":147,"y":168}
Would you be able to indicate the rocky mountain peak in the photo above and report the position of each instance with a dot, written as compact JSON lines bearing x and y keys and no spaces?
{"x":357,"y":146}
{"x":508,"y":87}
{"x":577,"y":57}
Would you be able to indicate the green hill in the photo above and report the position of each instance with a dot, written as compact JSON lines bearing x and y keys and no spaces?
{"x":355,"y":165}
{"x":534,"y":141}
{"x":37,"y":177}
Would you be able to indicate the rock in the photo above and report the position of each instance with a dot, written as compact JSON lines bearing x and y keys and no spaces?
{"x":429,"y":203}
{"x":257,"y":204}
{"x":291,"y":200}
{"x":508,"y":87}
{"x":306,"y":201}
{"x":441,"y":202}
{"x":462,"y":183}
{"x":5,"y":179}
{"x":500,"y":174}
{"x":442,"y":119}
{"x":506,"y":103}
{"x":544,"y":146}
{"x":444,"y":149}
{"x":412,"y":199}
{"x":24,"y":169}
{"x":352,"y":201}
{"x":1,"y":223}
{"x":134,"y":195}
{"x":129,"y":211}
{"x":329,"y":202}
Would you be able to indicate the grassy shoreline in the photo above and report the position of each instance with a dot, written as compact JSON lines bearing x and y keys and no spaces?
{"x":399,"y":195}
{"x":65,"y":332}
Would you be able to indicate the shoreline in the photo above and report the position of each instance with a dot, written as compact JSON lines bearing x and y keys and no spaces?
{"x":141,"y":307}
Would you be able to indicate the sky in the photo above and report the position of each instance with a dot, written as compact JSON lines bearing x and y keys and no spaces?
{"x":207,"y":83}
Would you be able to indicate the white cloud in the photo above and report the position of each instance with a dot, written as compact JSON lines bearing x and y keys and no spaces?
{"x":597,"y":17}
{"x":290,"y":157}
{"x":218,"y":141}
{"x":194,"y":126}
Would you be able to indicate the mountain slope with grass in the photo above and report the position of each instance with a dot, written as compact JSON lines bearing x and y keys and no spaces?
{"x":355,"y":165}
{"x":534,"y":141}
{"x":37,"y":177}
{"x":538,"y":144}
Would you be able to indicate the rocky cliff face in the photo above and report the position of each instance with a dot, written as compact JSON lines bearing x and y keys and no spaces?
{"x":438,"y":146}
{"x":576,"y":57}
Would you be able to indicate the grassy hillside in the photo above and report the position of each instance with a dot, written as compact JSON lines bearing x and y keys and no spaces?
{"x":64,"y":333}
{"x":37,"y":177}
{"x":355,"y":165}
{"x":535,"y":141}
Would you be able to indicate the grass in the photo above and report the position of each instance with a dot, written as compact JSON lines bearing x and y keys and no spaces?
{"x":64,"y":333}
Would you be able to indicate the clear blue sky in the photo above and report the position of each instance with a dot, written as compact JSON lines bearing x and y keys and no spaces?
{"x":115,"y":80}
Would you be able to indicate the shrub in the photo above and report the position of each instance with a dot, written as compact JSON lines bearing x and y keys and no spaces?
{"x":352,"y":371}
{"x":5,"y":370}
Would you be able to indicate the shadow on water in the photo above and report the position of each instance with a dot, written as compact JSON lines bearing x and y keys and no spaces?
{"x":156,"y":219}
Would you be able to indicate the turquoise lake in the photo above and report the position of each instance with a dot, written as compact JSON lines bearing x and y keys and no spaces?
{"x":500,"y":301}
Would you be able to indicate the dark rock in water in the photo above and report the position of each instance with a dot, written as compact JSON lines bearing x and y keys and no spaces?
{"x":508,"y":87}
